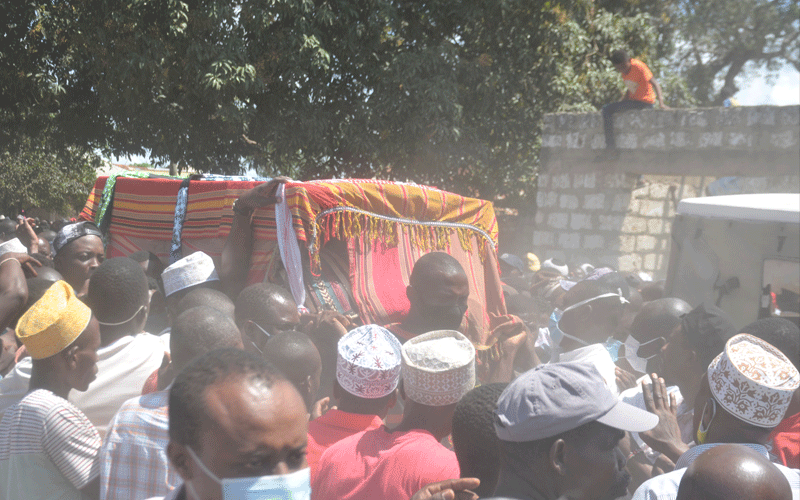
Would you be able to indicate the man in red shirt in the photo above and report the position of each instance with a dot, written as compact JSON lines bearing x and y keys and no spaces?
{"x":367,"y":374}
{"x":438,"y":369}
{"x":641,"y":92}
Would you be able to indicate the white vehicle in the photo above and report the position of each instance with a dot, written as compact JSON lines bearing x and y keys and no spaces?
{"x":740,"y":252}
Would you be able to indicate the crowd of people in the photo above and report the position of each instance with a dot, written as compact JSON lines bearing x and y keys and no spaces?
{"x":128,"y":379}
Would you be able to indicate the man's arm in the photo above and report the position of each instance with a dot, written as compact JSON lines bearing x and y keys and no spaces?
{"x":235,"y":261}
{"x":657,"y":88}
{"x":13,"y":287}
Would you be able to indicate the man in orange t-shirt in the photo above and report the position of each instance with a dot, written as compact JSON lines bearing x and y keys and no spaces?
{"x":641,"y":91}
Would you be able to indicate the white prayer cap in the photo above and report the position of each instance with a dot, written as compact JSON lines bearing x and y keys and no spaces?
{"x":368,"y":362}
{"x":192,"y":270}
{"x":557,"y":266}
{"x":12,"y":245}
{"x":438,"y":368}
{"x":753,"y":380}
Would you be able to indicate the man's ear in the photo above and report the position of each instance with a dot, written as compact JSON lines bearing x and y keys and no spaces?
{"x":411,"y":294}
{"x":179,"y":458}
{"x":306,"y":385}
{"x":337,"y":390}
{"x":557,"y":457}
{"x":70,"y":356}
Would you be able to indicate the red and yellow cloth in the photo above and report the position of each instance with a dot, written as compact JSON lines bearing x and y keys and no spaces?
{"x":386,"y":226}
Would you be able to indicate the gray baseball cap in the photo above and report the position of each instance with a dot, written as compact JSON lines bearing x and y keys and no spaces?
{"x":550,"y":399}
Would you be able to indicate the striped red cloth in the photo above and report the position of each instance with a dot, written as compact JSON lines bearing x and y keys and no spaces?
{"x":386,"y":226}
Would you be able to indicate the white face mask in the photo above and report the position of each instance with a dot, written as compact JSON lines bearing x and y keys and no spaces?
{"x":632,"y":353}
{"x":557,"y":334}
{"x":294,"y":486}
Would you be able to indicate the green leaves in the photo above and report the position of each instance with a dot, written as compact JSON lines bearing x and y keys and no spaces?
{"x":33,"y":174}
{"x":444,"y":92}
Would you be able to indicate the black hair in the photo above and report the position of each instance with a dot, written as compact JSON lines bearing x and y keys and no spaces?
{"x":518,"y":456}
{"x":357,"y":404}
{"x":44,"y":260}
{"x":431,"y":263}
{"x":154,"y":268}
{"x":187,"y":404}
{"x":475,"y":442}
{"x":586,"y":289}
{"x":617,"y":283}
{"x":706,"y":329}
{"x":206,"y":297}
{"x":619,"y":57}
{"x":296,"y":356}
{"x":117,"y":288}
{"x":780,"y":333}
{"x":7,"y":229}
{"x":36,"y":290}
{"x":658,"y":318}
{"x":199,"y":330}
{"x":255,"y":302}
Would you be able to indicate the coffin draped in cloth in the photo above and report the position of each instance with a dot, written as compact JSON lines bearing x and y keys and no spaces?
{"x":359,"y":239}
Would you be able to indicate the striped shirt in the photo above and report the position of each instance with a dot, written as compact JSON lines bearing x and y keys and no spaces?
{"x":48,"y":449}
{"x":133,"y":459}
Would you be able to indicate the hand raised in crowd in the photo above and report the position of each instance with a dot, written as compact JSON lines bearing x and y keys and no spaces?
{"x":665,"y":437}
{"x":330,"y":325}
{"x":263,"y":195}
{"x":451,"y":489}
{"x":511,"y":336}
{"x":625,"y":379}
{"x":27,"y":236}
{"x":28,"y":263}
{"x":321,"y":407}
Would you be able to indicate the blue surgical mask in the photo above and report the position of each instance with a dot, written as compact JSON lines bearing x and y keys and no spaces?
{"x":612,"y":345}
{"x":294,"y":486}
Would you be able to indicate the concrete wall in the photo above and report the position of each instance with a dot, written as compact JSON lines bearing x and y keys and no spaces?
{"x":620,"y":213}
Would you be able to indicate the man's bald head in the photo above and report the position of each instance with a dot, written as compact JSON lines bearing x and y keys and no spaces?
{"x":265,"y":309}
{"x":49,"y":274}
{"x":733,"y":471}
{"x":207,"y":297}
{"x":297,"y":357}
{"x":8,"y":228}
{"x":438,"y":292}
{"x":262,"y":303}
{"x":199,"y":330}
{"x":658,"y":318}
{"x":433,"y":266}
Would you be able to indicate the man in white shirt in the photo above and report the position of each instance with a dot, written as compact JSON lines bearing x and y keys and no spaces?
{"x":743,"y":397}
{"x":119,"y":296}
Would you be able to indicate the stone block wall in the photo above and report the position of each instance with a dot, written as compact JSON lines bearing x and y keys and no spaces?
{"x":710,"y":141}
{"x":623,"y":220}
{"x":621,"y":213}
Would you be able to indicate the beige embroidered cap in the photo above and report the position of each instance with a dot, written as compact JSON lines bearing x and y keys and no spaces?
{"x":753,"y":380}
{"x":438,"y":367}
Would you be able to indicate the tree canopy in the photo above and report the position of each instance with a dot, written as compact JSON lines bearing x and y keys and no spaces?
{"x":445,"y":92}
